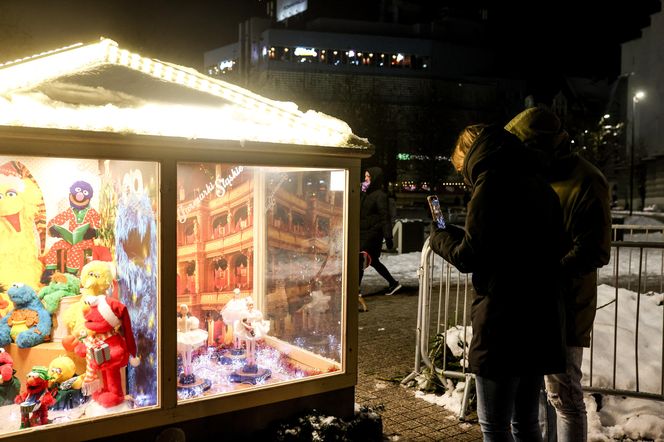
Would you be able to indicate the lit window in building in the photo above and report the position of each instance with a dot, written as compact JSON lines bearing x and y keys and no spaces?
{"x":336,"y":57}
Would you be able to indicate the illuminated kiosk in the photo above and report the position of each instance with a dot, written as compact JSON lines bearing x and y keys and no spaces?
{"x":200,"y":187}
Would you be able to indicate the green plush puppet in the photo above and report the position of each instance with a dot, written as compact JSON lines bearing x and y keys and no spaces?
{"x":61,"y":285}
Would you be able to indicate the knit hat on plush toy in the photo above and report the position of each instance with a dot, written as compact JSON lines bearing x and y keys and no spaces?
{"x":538,"y":126}
{"x":40,"y":371}
{"x":116,"y":314}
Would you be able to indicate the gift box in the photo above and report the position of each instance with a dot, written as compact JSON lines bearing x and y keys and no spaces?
{"x":101,"y":352}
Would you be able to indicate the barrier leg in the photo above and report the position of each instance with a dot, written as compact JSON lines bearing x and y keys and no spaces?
{"x":470,"y":385}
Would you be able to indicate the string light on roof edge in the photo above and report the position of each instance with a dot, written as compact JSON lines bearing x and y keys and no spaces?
{"x":316,"y":126}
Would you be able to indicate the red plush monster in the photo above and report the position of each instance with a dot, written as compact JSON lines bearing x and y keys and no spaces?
{"x":36,"y":398}
{"x":10,"y":386}
{"x":106,"y":349}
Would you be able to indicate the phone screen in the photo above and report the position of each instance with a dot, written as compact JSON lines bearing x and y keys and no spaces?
{"x":436,"y":211}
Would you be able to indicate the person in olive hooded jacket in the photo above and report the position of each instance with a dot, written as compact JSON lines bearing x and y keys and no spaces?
{"x":510,"y":243}
{"x":584,"y":196}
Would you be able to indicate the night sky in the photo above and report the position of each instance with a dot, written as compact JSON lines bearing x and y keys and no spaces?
{"x":533,"y":39}
{"x":178,"y":31}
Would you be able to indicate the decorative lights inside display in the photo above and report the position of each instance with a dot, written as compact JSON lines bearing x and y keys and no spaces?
{"x":206,"y":365}
{"x":248,"y":116}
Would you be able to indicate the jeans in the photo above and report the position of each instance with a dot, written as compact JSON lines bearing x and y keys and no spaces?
{"x":564,"y":392}
{"x":507,"y":408}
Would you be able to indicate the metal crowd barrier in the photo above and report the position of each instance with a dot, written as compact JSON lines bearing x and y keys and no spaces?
{"x":636,"y":266}
{"x":443,"y":303}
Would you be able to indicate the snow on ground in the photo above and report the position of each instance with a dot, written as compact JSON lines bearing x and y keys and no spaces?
{"x":616,"y":417}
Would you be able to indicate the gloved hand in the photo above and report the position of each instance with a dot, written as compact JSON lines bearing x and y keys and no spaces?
{"x":389,"y":243}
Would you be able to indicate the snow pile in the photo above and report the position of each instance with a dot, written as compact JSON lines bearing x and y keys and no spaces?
{"x":367,"y":425}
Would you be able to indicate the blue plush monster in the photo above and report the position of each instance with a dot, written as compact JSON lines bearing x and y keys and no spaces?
{"x":136,"y":258}
{"x":28,"y":308}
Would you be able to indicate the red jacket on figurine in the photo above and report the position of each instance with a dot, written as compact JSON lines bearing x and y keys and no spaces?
{"x":106,"y":349}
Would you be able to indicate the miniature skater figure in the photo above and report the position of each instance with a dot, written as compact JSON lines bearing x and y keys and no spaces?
{"x":36,"y":398}
{"x":76,"y":227}
{"x":189,"y":337}
{"x":232,"y":312}
{"x":250,"y":328}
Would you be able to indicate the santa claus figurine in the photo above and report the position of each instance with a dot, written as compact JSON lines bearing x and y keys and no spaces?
{"x":106,"y":348}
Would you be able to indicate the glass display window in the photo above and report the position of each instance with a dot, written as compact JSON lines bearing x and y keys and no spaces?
{"x":78,"y":289}
{"x":260,"y":262}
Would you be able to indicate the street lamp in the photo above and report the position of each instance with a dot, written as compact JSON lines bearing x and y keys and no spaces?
{"x":638,"y":95}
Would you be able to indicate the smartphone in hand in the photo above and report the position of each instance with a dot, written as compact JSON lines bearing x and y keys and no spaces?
{"x":436,"y":212}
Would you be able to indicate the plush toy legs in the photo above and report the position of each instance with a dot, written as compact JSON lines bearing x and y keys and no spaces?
{"x":75,"y":255}
{"x":112,"y":393}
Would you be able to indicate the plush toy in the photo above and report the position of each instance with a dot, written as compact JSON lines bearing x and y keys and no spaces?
{"x":36,"y":398}
{"x":10,"y":386}
{"x":61,"y":285}
{"x":96,"y":279}
{"x":76,"y":227}
{"x":22,"y":225}
{"x":6,"y":304}
{"x":75,"y":321}
{"x":64,"y":384}
{"x":29,"y":323}
{"x":137,"y":261}
{"x":106,"y":350}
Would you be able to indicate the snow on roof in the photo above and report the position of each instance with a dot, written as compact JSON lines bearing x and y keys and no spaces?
{"x":101,"y":87}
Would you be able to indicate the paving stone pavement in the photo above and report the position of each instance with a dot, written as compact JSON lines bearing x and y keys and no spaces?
{"x":387,"y":351}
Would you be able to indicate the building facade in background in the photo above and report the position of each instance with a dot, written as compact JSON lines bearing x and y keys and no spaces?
{"x":407,"y":79}
{"x":642,"y":65}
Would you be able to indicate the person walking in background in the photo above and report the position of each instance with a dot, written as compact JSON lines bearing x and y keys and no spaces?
{"x":585,"y":199}
{"x":517,"y":326}
{"x":376,"y":225}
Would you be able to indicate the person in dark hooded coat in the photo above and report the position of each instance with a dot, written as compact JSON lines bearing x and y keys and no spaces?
{"x":584,"y":196}
{"x":510,"y":243}
{"x":376,"y":225}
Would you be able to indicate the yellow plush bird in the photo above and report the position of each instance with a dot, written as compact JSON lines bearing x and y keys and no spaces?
{"x":64,"y":384}
{"x":22,"y":215}
{"x":96,"y":279}
{"x":62,"y":369}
